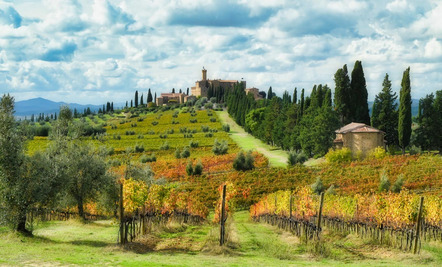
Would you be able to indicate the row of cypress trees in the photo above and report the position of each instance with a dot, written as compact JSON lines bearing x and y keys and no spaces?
{"x":309,"y":123}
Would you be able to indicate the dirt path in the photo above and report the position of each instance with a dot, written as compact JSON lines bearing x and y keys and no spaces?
{"x":277,"y":157}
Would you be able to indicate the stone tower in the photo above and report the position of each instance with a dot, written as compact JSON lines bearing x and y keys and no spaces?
{"x":204,"y":74}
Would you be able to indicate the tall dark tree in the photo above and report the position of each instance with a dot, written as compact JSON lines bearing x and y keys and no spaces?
{"x":173,"y":90}
{"x":131,"y":103}
{"x":270,"y":93}
{"x":187,"y":91}
{"x":327,"y":101}
{"x":155,"y":98}
{"x":438,"y":118}
{"x":136,"y":99}
{"x":426,"y":135}
{"x":342,"y":98}
{"x":302,"y":107}
{"x":359,"y":95}
{"x":149,"y":96}
{"x":142,"y":100}
{"x":384,"y":112}
{"x":404,"y":123}
{"x":295,"y":96}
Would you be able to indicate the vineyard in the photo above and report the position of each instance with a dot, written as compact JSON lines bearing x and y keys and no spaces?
{"x":389,"y":218}
{"x":152,"y":158}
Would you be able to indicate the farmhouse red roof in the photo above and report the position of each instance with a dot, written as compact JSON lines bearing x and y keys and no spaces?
{"x":355,"y":127}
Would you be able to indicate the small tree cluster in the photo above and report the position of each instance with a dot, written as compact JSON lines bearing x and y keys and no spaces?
{"x":185,"y":153}
{"x":197,"y":170}
{"x":220,"y":148}
{"x":244,"y":162}
{"x":296,"y":157}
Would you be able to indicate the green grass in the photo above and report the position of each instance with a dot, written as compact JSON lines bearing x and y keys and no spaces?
{"x":277,"y":157}
{"x":257,"y":244}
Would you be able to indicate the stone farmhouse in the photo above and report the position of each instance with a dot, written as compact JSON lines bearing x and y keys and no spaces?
{"x":173,"y":98}
{"x":359,"y":138}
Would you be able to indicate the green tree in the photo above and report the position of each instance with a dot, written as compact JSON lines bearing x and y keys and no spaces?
{"x":85,"y":173}
{"x":384,"y":112}
{"x":404,"y":123}
{"x":359,"y":95}
{"x":136,"y":99}
{"x":142,"y":100}
{"x":342,"y":98}
{"x":24,"y":181}
{"x":270,"y":93}
{"x":149,"y":96}
{"x":426,"y":133}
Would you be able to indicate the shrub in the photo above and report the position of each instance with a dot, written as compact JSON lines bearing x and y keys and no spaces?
{"x":198,"y":170}
{"x":193,"y":144}
{"x":139,"y":148}
{"x":226,"y":128}
{"x":188,"y":135}
{"x":318,"y":186}
{"x":397,"y":186}
{"x":154,"y":123}
{"x":205,"y":128}
{"x":339,"y":155}
{"x":175,"y":122}
{"x":163,"y":136}
{"x":377,"y":153}
{"x":177,"y":153}
{"x":170,"y":131}
{"x":220,"y":148}
{"x":164,"y":146}
{"x":243,"y":162}
{"x":208,"y":105}
{"x":185,"y":153}
{"x":189,"y":168}
{"x":212,"y":119}
{"x":331,"y":190}
{"x":193,"y":120}
{"x":148,"y":158}
{"x":116,"y":136}
{"x":415,"y":150}
{"x":384,"y":183}
{"x":140,"y":136}
{"x":296,"y":157}
{"x":151,"y":132}
{"x":133,"y":125}
{"x":130,"y":132}
{"x":208,"y":135}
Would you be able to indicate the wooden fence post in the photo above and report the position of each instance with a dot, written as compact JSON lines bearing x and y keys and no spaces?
{"x":320,"y":211}
{"x":418,"y":225}
{"x":291,"y":205}
{"x":122,"y":226}
{"x":223,"y":218}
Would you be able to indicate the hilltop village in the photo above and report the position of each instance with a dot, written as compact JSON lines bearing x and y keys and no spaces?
{"x":203,"y":88}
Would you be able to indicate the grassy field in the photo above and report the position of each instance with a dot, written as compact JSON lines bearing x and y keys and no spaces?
{"x":250,"y":244}
{"x":277,"y":157}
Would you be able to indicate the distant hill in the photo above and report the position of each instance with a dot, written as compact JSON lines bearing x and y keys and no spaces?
{"x":41,"y":105}
{"x":414,"y":106}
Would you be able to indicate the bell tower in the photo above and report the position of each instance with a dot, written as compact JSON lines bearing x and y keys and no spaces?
{"x":204,"y":74}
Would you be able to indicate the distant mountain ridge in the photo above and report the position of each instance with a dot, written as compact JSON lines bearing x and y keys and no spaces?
{"x":42,"y":105}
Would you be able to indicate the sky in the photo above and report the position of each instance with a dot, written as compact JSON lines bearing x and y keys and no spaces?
{"x":94,"y":51}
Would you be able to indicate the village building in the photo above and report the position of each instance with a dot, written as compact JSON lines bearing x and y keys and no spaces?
{"x":359,"y":138}
{"x":171,"y":98}
{"x":201,"y":88}
{"x":255,"y":92}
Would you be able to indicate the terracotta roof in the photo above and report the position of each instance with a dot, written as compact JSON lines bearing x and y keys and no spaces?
{"x":355,"y":127}
{"x":172,"y":94}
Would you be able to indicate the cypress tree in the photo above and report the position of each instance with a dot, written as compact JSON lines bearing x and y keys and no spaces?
{"x":131,"y":103}
{"x":384,"y":112}
{"x":141,"y":100}
{"x":313,"y":99}
{"x":155,"y":98}
{"x":342,"y":98}
{"x":295,"y":96}
{"x":173,"y":90}
{"x":126,"y":104}
{"x":136,"y":98}
{"x":302,"y":102}
{"x":149,"y":96}
{"x":359,"y":95}
{"x":327,"y":102}
{"x":270,"y":93}
{"x":187,"y":91}
{"x":112,"y":106}
{"x":404,"y":123}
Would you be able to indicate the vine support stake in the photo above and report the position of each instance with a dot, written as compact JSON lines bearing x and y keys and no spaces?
{"x":222,"y":219}
{"x":320,"y":212}
{"x":122,"y":226}
{"x":418,"y":225}
{"x":291,"y":205}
